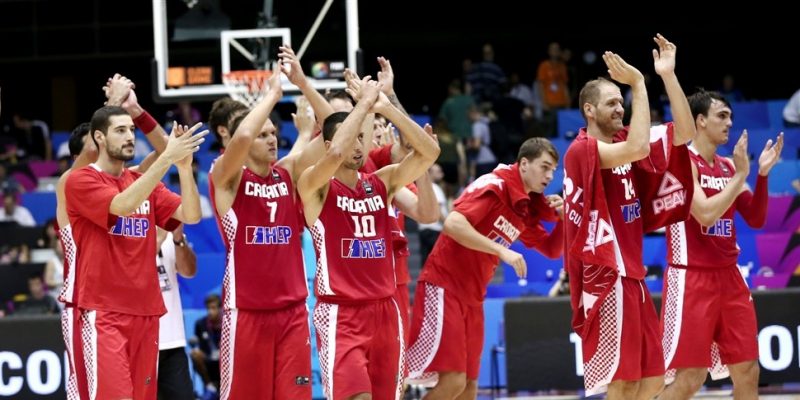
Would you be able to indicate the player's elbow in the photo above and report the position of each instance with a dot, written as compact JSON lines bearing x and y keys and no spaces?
{"x":704,"y":218}
{"x":193,"y":217}
{"x":641,"y":150}
{"x":121,"y":207}
{"x":428,"y":216}
{"x":451,"y":226}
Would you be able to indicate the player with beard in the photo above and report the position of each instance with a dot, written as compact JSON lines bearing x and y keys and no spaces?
{"x":113,"y":212}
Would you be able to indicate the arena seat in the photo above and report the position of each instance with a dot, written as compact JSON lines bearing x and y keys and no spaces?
{"x":41,"y":204}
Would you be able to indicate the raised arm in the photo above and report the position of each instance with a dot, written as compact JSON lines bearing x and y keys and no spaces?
{"x":753,"y":205}
{"x":637,"y":145}
{"x":386,"y":77}
{"x":664,"y":63}
{"x":119,"y":91}
{"x":290,"y":66}
{"x":426,"y":148}
{"x":313,"y":181}
{"x":303,"y":119}
{"x":178,"y":148}
{"x":707,"y":210}
{"x":423,"y":208}
{"x":229,"y":165}
{"x":189,"y":211}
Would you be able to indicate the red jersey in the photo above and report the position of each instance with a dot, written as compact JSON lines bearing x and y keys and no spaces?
{"x":694,"y":245}
{"x":116,"y":255}
{"x":262,"y":233}
{"x":68,"y":294}
{"x":378,"y":158}
{"x":466,"y":272}
{"x":353,"y":241}
{"x":622,"y":188}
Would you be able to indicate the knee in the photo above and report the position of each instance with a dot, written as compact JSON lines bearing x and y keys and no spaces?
{"x":745,"y":374}
{"x":692,"y":379}
{"x":471,"y":389}
{"x":452,"y":384}
{"x":649,"y":388}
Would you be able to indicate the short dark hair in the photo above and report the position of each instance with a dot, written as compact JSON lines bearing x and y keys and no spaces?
{"x":213,"y":298}
{"x":591,"y":93}
{"x":700,"y":101}
{"x":532,"y":148}
{"x":338,"y":94}
{"x":329,"y":126}
{"x":76,"y":138}
{"x":101,"y":119}
{"x":221,"y":112}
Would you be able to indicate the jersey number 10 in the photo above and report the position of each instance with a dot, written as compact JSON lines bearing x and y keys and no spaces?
{"x":365,"y":225}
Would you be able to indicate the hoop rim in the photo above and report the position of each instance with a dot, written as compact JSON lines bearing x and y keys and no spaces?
{"x":247,"y":73}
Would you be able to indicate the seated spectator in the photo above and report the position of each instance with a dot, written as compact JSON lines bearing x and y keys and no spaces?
{"x":205,"y":351}
{"x":32,"y":137}
{"x":37,"y":302}
{"x":729,"y":90}
{"x":185,"y":114}
{"x":9,"y":183}
{"x":12,"y":211}
{"x":791,"y":112}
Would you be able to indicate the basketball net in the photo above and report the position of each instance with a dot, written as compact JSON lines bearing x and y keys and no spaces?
{"x":248,"y":87}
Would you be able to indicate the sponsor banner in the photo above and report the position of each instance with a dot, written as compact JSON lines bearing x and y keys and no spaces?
{"x":542,"y":351}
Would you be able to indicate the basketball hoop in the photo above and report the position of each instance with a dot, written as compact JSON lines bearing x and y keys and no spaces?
{"x":248,"y":87}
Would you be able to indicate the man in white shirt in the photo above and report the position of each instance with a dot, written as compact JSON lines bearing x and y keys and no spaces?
{"x":174,"y":257}
{"x":12,"y":211}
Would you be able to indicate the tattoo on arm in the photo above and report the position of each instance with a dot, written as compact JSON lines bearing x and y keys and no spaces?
{"x":396,"y":102}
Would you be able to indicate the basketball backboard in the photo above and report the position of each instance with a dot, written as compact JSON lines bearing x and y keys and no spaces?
{"x":197,"y":41}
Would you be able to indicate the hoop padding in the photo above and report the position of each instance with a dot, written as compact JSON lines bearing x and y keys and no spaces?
{"x":248,"y":86}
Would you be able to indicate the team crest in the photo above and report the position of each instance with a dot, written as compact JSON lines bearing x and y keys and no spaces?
{"x":367,"y":187}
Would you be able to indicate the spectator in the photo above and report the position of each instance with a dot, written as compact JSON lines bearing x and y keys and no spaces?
{"x":37,"y":302}
{"x":9,"y":183}
{"x":486,"y":78}
{"x":32,"y":137}
{"x":185,"y":114}
{"x":553,"y":89}
{"x":455,"y":111}
{"x":729,"y":90}
{"x":791,"y":112}
{"x":12,"y":211}
{"x":205,"y":354}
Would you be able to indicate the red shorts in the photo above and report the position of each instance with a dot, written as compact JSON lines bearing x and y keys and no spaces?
{"x":703,"y":307}
{"x":69,"y":318}
{"x":360,"y":349}
{"x":266,"y":354}
{"x":118,"y":355}
{"x":446,"y":335}
{"x":624,"y":341}
{"x":404,"y":305}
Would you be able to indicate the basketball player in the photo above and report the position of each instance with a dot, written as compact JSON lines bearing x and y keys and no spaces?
{"x":84,"y":152}
{"x":621,"y":182}
{"x":265,"y":350}
{"x":356,"y":320}
{"x":112,"y":212}
{"x":707,"y":315}
{"x":494,"y":211}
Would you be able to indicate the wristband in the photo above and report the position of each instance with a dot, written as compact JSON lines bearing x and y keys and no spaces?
{"x":145,"y":122}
